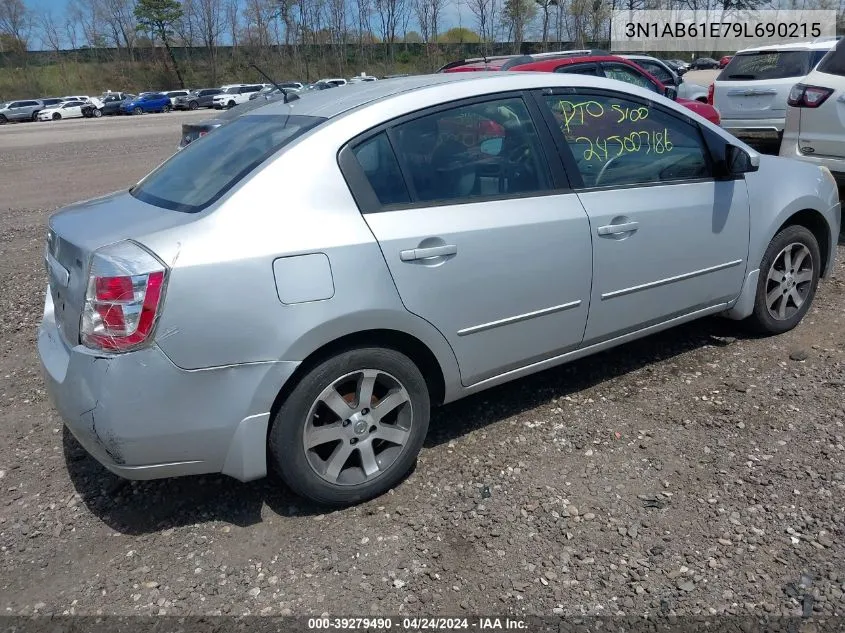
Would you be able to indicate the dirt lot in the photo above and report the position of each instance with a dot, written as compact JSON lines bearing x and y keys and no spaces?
{"x":700,"y":471}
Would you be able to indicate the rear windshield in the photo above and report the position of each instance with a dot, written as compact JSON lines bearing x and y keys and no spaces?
{"x":767,"y":65}
{"x":200,"y":174}
{"x":834,"y":62}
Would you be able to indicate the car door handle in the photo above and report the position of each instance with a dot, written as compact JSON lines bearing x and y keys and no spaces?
{"x":426,"y":253}
{"x":616,"y":229}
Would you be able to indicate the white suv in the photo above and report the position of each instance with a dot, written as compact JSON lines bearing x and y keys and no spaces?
{"x":815,"y":116}
{"x":235,"y":95}
{"x":750,"y":93}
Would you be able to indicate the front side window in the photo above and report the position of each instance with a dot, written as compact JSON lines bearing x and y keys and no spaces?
{"x":205,"y":170}
{"x":617,"y":141}
{"x":661,"y":74}
{"x":620,"y":72}
{"x":484,"y":149}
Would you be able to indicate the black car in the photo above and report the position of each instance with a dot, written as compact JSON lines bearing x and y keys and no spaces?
{"x":203,"y":98}
{"x":704,"y":63}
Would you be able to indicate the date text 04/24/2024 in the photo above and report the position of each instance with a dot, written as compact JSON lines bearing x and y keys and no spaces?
{"x":417,"y":623}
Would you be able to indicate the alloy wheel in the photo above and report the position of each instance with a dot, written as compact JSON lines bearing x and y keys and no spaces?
{"x":358,"y":427}
{"x":789,"y":281}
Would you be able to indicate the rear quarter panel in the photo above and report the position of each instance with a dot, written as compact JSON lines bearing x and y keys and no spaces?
{"x":222,"y":305}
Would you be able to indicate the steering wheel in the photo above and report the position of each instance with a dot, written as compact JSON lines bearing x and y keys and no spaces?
{"x":604,"y":169}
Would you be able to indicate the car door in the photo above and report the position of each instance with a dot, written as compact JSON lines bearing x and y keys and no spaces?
{"x":481,"y":236}
{"x":669,"y":239}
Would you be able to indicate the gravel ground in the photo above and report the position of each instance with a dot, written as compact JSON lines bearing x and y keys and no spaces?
{"x":700,"y":471}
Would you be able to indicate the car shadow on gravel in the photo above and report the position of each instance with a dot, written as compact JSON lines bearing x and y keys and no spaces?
{"x":141,"y":507}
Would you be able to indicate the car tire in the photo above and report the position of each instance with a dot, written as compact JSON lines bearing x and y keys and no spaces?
{"x":333,"y":470}
{"x":166,"y":108}
{"x":193,"y":105}
{"x":137,"y":110}
{"x":97,"y":113}
{"x":56,"y":116}
{"x":34,"y":116}
{"x":784,"y":282}
{"x":231,"y":104}
{"x":3,"y":119}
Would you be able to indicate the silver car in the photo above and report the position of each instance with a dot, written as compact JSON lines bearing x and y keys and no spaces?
{"x":296,"y":289}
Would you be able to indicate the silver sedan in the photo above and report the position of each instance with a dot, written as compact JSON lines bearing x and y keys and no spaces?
{"x":296,"y":289}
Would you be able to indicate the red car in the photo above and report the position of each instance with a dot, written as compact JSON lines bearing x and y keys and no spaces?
{"x":725,"y":61}
{"x":597,"y":64}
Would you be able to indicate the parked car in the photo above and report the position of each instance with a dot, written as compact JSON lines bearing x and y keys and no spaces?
{"x":234,"y":95}
{"x":21,"y":110}
{"x":751,"y":91}
{"x":426,"y":229}
{"x":814,"y":129}
{"x":678,"y":65}
{"x":63,"y":110}
{"x":337,"y":81}
{"x":288,"y":86}
{"x":175,"y":94}
{"x":669,"y":77}
{"x":48,"y":102}
{"x":203,"y":98}
{"x":704,"y":63}
{"x":146,"y":102}
{"x":725,"y":61}
{"x":599,"y":65}
{"x":113,"y":103}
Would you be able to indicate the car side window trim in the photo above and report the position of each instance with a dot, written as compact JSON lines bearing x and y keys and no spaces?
{"x":366,"y":199}
{"x":568,"y":158}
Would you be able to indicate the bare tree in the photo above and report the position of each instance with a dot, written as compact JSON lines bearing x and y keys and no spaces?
{"x":389,"y":13}
{"x":210,"y":22}
{"x":363,"y":19}
{"x":546,"y":7}
{"x":16,"y":22}
{"x":88,"y":17}
{"x":119,"y":17}
{"x":422,"y":11}
{"x":516,"y":16}
{"x":51,"y":33}
{"x":233,"y":20}
{"x":338,"y":30}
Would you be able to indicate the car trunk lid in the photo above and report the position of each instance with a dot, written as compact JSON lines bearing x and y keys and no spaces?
{"x":755,"y":85}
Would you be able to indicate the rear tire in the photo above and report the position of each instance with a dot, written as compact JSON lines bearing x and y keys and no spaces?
{"x":357,"y":453}
{"x":789,"y":277}
{"x":3,"y":119}
{"x":34,"y":116}
{"x":97,"y":113}
{"x":137,"y":110}
{"x":193,"y":105}
{"x":166,"y":108}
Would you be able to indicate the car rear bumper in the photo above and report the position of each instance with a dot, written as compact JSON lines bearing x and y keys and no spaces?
{"x":789,"y":148}
{"x":142,"y":417}
{"x":754,"y":129}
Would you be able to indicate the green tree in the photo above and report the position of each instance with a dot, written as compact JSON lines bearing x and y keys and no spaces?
{"x":157,"y":17}
{"x":459,"y":35}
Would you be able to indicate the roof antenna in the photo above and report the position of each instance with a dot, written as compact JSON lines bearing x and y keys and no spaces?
{"x":285,"y":97}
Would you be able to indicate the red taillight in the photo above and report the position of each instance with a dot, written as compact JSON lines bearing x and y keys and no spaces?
{"x":125,"y":288}
{"x":710,"y":94}
{"x":803,"y":96}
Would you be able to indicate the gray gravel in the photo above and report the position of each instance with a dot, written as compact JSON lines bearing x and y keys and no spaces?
{"x":699,"y":471}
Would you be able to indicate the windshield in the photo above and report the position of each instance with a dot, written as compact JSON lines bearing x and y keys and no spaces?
{"x":206,"y":169}
{"x":767,"y":65}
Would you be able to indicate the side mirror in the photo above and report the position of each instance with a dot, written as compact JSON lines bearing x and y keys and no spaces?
{"x":670,"y":92}
{"x":739,"y":161}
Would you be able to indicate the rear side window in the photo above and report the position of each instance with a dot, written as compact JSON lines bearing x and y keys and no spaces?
{"x":833,"y":63}
{"x":619,"y":142}
{"x":620,"y":72}
{"x":377,"y":160}
{"x":767,"y":65}
{"x":660,"y":72}
{"x":579,"y":69}
{"x":206,"y":169}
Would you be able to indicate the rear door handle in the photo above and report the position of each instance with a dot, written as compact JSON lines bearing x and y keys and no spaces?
{"x":426,"y":253}
{"x":616,"y":229}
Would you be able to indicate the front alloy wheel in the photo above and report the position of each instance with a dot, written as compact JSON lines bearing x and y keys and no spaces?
{"x":789,"y":276}
{"x":352,"y":427}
